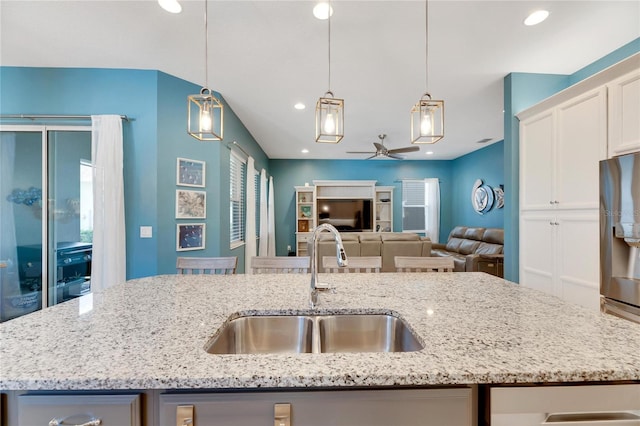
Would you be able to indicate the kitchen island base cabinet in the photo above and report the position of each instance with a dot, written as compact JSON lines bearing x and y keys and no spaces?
{"x":70,"y":409}
{"x":398,"y":407}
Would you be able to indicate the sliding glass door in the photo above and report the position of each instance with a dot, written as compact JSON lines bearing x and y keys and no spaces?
{"x":45,"y":246}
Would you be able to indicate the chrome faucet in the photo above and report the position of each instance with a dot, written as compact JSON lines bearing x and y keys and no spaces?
{"x":341,"y":257}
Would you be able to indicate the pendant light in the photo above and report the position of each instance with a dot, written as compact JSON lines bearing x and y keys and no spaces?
{"x":329,"y":110}
{"x":427,"y":115}
{"x":205,"y":111}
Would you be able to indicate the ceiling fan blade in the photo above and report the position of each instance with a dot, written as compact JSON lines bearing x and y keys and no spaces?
{"x":406,"y":149}
{"x":360,"y":152}
{"x":397,"y":157}
{"x":379,"y":146}
{"x":373,"y":156}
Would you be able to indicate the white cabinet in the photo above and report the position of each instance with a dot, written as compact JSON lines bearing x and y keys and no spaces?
{"x":305,"y":217}
{"x":425,"y":407}
{"x":560,"y":151}
{"x":624,"y":114}
{"x":384,"y":209}
{"x":559,"y":254}
{"x":561,"y":148}
{"x":106,"y":410}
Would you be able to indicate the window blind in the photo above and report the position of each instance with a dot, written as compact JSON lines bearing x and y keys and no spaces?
{"x":237,"y":198}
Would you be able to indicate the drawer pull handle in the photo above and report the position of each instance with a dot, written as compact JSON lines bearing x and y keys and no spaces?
{"x":589,"y":419}
{"x":61,"y":422}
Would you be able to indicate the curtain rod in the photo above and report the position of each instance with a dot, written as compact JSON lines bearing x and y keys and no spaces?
{"x":55,"y":117}
{"x":237,"y":145}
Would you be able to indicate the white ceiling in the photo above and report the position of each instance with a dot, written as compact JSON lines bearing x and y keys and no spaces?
{"x":267,"y":55}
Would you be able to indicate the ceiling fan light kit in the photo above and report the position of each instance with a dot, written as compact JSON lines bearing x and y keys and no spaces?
{"x":205,"y":112}
{"x":427,"y":115}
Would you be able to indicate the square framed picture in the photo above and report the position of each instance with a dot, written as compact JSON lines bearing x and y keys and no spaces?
{"x":190,"y":172}
{"x":191,"y":204}
{"x":190,"y":236}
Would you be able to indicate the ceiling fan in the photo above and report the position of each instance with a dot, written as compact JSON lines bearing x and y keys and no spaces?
{"x":382,"y":151}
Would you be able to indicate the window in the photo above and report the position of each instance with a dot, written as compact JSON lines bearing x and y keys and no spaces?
{"x":421,"y":207}
{"x":237,"y":168}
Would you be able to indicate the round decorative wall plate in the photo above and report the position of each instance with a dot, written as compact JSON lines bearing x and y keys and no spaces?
{"x":482,"y":197}
{"x":499,"y":193}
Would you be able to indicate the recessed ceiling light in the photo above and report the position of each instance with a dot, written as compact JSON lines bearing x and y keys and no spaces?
{"x":429,"y":153}
{"x":322,"y":10}
{"x":299,"y":105}
{"x":305,"y":151}
{"x":171,"y":6}
{"x":536,"y":17}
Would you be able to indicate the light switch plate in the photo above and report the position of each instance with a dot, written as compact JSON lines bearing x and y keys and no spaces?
{"x":146,"y":231}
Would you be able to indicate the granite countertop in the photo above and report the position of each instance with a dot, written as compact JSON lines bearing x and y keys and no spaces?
{"x":150,"y":333}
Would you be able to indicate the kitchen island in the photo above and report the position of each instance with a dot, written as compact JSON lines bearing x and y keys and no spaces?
{"x":150,"y":334}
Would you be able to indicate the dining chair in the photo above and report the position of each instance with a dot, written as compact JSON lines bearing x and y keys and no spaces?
{"x":280,"y":264}
{"x":355,"y":264}
{"x":424,"y":264}
{"x":207,"y":265}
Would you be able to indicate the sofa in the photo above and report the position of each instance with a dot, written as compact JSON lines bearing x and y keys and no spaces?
{"x":384,"y":244}
{"x":473,"y":248}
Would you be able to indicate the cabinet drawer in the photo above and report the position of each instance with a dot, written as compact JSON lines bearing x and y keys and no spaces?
{"x":111,"y":410}
{"x":401,"y":407}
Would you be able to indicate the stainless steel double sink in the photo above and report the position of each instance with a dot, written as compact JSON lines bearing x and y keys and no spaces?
{"x":314,"y":334}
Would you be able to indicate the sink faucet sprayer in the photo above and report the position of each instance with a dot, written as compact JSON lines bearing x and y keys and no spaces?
{"x":341,"y":257}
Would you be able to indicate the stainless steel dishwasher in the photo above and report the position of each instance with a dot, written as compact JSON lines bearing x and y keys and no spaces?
{"x":591,"y":405}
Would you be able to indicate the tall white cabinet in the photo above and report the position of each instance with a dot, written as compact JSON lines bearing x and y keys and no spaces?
{"x":562,"y":140}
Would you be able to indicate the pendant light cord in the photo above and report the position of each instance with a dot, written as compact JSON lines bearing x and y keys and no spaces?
{"x":329,"y":38}
{"x":426,"y":43}
{"x":206,"y":46}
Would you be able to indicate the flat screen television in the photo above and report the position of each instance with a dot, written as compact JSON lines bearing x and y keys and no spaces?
{"x":347,"y":215}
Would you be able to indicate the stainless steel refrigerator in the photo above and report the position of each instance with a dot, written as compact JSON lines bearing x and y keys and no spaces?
{"x":620,"y":236}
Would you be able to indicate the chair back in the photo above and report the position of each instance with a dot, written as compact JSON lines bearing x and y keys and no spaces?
{"x":207,"y":265}
{"x":355,"y":264}
{"x":424,"y":264}
{"x":280,"y":265}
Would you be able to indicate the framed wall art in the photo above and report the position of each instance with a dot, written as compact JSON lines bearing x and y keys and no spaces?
{"x":191,"y":204}
{"x":190,"y":236}
{"x":190,"y":172}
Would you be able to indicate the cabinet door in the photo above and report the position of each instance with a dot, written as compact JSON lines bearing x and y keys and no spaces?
{"x":536,"y":162}
{"x":624,"y":110}
{"x":581,"y":142}
{"x":537,"y":252}
{"x":578,"y":257}
{"x":425,"y":407}
{"x":111,"y":410}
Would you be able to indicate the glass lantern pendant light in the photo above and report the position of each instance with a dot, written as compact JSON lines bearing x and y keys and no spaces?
{"x":427,"y":116}
{"x":205,"y":111}
{"x":329,"y":110}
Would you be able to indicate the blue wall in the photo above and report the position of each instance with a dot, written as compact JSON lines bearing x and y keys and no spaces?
{"x":153,"y":140}
{"x":522,"y":90}
{"x":289,"y":173}
{"x":486,"y":164}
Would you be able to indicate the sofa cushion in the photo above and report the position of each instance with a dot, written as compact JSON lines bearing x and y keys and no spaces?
{"x":488,"y":248}
{"x":458,"y":232}
{"x":494,"y":235}
{"x":345,"y":236}
{"x":369,"y":237}
{"x":391,"y":249}
{"x":468,"y":246}
{"x":400,"y":236}
{"x":453,"y":244}
{"x":474,"y":233}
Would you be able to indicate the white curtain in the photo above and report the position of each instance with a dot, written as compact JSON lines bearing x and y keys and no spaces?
{"x":433,"y":201}
{"x":250,"y":221}
{"x":108,"y":264}
{"x":272,"y":221}
{"x":264,"y":220}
